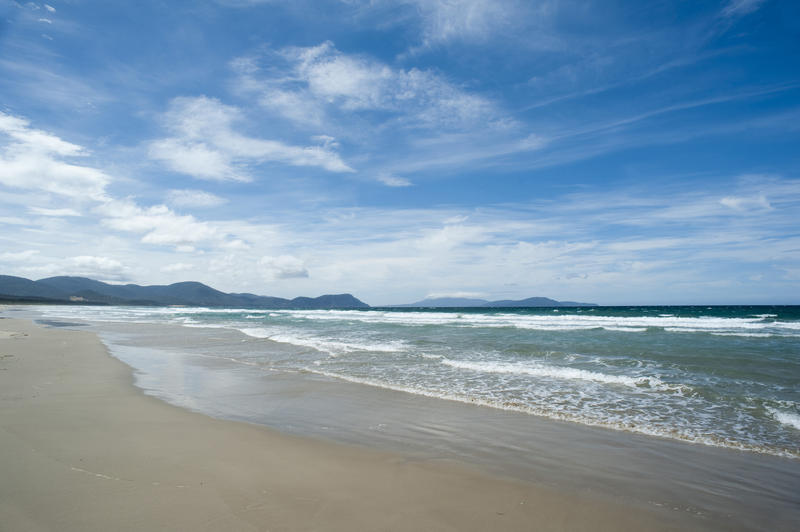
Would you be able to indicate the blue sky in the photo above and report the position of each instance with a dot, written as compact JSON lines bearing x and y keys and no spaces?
{"x":616,"y":152}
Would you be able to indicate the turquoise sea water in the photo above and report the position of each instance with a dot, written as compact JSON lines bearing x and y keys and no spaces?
{"x":720,"y":376}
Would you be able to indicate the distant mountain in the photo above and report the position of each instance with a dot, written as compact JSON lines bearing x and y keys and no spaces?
{"x":81,"y":290}
{"x":447,"y":302}
{"x":26,"y":290}
{"x":537,"y":302}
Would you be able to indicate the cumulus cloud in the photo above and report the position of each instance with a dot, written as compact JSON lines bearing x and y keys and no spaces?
{"x":283,"y":267}
{"x":36,"y":160}
{"x":95,"y":267}
{"x":194,"y":198}
{"x":206,"y":145}
{"x":158,"y":223}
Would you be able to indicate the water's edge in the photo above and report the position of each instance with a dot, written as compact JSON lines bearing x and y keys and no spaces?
{"x":730,"y":488}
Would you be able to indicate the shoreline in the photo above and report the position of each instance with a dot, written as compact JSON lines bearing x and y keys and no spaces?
{"x":84,"y":449}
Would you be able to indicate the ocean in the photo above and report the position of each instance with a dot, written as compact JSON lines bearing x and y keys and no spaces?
{"x":716,"y":376}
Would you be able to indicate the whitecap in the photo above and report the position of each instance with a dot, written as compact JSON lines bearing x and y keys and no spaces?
{"x":325,"y":345}
{"x":786,"y":418}
{"x":565,"y":373}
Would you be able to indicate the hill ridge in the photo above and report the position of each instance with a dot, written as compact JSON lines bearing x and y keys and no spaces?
{"x":82,"y":290}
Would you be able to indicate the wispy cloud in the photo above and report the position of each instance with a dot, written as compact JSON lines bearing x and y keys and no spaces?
{"x":739,"y":8}
{"x":194,"y":198}
{"x":34,"y":80}
{"x":53,"y":212}
{"x":394,"y":181}
{"x":306,"y":84}
{"x":445,"y":22}
{"x":470,"y":295}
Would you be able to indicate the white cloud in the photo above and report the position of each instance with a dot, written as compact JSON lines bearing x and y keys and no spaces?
{"x":46,"y":20}
{"x":20,"y":256}
{"x":196,"y":159}
{"x":306,"y":84}
{"x":738,"y":8}
{"x":442,"y":21}
{"x":34,"y":160}
{"x":452,"y":236}
{"x":53,"y":212}
{"x":468,"y":295}
{"x":33,"y":139}
{"x":446,"y":20}
{"x":177,"y":267}
{"x":50,"y":8}
{"x":746,"y":203}
{"x":158,"y":224}
{"x":10,"y":220}
{"x":194,"y":198}
{"x":206,"y":145}
{"x":394,"y":181}
{"x":96,"y":267}
{"x":284,"y":267}
{"x":295,"y":106}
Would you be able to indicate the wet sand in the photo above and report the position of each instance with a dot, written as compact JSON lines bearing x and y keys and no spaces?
{"x":83,"y":449}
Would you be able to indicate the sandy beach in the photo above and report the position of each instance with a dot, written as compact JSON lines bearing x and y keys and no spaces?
{"x":83,"y":449}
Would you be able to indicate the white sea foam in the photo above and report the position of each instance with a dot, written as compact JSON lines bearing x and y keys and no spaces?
{"x":324,"y":345}
{"x":551,"y":322}
{"x":640,"y":427}
{"x":745,"y":335}
{"x":565,"y":373}
{"x":557,"y":322}
{"x":787,"y":418}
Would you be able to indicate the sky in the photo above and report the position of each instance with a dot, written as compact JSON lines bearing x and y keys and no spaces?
{"x":616,"y":152}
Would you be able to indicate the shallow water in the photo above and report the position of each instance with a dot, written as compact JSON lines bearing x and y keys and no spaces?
{"x":213,"y":362}
{"x":720,"y":376}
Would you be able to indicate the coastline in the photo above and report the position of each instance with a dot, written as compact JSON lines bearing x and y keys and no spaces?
{"x":86,"y":450}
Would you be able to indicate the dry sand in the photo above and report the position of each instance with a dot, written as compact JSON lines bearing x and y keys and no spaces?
{"x":83,"y":449}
